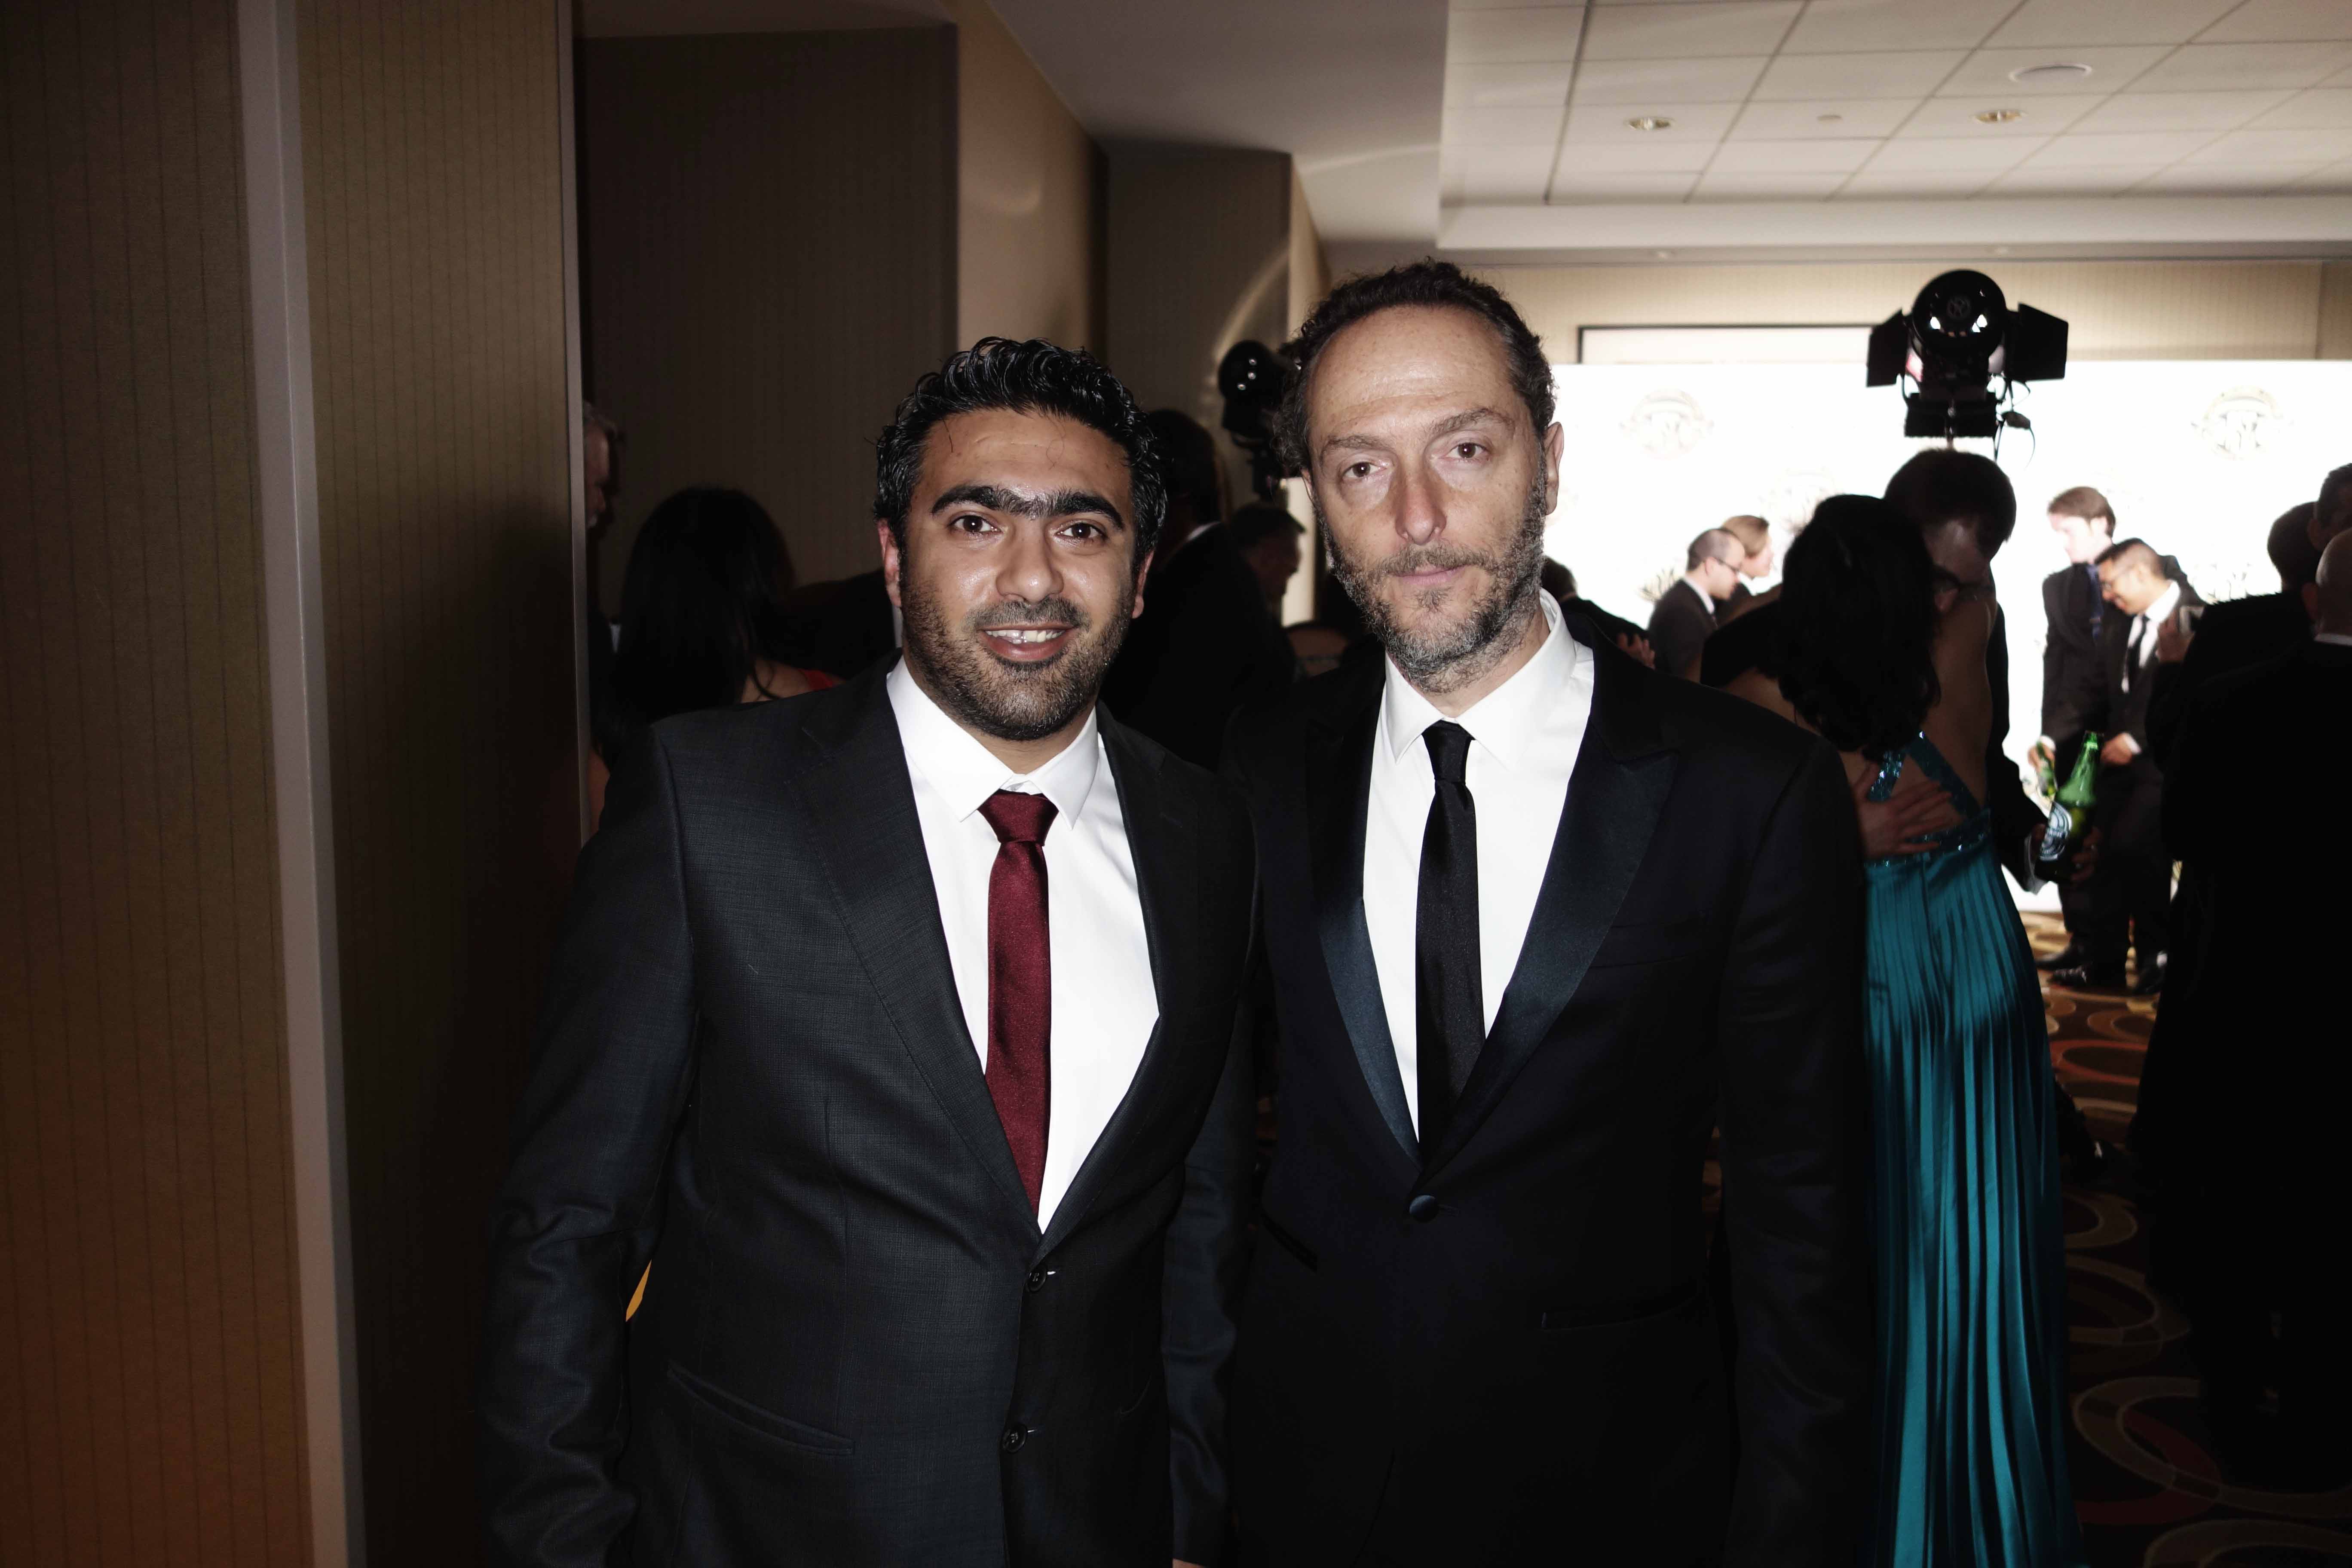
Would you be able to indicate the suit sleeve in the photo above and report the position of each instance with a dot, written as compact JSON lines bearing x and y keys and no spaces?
{"x":1794,"y":1144}
{"x":2017,"y":822}
{"x":576,"y":1221}
{"x":1202,"y":1290}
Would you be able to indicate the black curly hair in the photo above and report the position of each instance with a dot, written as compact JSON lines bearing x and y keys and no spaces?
{"x":1030,"y":377}
{"x":1438,"y":284}
{"x":1858,"y":613}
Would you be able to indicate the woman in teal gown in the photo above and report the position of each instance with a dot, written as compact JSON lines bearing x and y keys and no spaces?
{"x":1882,"y":651}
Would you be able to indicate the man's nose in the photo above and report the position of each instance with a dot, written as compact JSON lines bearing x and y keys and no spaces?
{"x":1029,"y":571}
{"x":1421,"y":511}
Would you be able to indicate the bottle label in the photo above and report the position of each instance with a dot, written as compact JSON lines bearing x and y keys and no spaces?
{"x":2055,"y":837}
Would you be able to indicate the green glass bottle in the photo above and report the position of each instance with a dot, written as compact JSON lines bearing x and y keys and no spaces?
{"x":2069,"y":813}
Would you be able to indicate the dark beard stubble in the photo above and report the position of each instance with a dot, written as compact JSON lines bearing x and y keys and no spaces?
{"x":1450,"y":658}
{"x":1010,"y":701}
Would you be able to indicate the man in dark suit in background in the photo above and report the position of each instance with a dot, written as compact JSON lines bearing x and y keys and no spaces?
{"x":2071,"y":615}
{"x":2258,"y":1074}
{"x":1538,"y":918}
{"x":1686,"y":612}
{"x":846,"y":628}
{"x":1205,"y":643}
{"x":2127,"y":898}
{"x":894,"y":1027}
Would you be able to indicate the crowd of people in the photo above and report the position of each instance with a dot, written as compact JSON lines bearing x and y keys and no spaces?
{"x":888,"y":1186}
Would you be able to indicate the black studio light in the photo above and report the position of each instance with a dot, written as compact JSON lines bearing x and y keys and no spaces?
{"x":1251,"y":377}
{"x":1958,"y":339}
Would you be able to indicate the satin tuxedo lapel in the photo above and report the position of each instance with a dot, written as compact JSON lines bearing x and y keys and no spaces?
{"x":860,"y":808}
{"x":1614,"y":796}
{"x":1167,"y":883}
{"x":1338,"y":785}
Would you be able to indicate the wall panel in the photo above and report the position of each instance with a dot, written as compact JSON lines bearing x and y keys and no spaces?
{"x":433,"y":161}
{"x":149,"y":1376}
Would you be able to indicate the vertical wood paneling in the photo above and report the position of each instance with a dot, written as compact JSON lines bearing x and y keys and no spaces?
{"x":769,"y":239}
{"x":432,"y":162}
{"x":149,"y":1382}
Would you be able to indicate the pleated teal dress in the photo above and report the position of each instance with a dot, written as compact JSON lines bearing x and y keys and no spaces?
{"x":1970,"y":1254}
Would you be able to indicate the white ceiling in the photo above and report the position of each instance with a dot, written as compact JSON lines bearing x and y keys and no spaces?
{"x":1832,"y":100}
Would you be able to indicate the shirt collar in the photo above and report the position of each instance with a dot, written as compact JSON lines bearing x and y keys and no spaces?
{"x":2166,"y":603}
{"x":1505,"y":718}
{"x":964,"y":774}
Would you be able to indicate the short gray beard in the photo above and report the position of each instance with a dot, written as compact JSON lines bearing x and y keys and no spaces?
{"x":1018,"y":702}
{"x":1453,"y":657}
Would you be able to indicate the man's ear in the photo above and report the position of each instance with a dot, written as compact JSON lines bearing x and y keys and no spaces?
{"x":892,"y":563}
{"x":1555,"y":442}
{"x":1142,"y":576}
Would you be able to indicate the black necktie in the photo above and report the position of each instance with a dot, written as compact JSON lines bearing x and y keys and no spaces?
{"x":2131,"y":651}
{"x":1450,"y":1012}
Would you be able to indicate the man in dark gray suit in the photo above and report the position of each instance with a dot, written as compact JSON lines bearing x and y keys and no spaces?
{"x":1686,"y":615}
{"x":893,"y":1026}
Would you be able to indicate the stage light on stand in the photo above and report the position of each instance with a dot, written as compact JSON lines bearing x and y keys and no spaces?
{"x":1251,"y":377}
{"x":1959,"y":337}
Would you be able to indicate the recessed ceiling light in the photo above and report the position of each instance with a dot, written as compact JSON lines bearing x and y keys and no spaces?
{"x":2063,"y":70}
{"x":1650,"y":123}
{"x":1998,"y":116}
{"x":1829,"y":118}
{"x":1663,"y":255}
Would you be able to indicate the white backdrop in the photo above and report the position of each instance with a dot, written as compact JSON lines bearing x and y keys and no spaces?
{"x":2196,"y":457}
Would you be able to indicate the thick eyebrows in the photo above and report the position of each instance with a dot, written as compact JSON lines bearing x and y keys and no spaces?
{"x":1023,"y":503}
{"x":1453,"y":424}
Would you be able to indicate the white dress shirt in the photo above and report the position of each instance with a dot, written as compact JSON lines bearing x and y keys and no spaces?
{"x":1523,"y":738}
{"x":2143,"y":632}
{"x":1105,"y":1003}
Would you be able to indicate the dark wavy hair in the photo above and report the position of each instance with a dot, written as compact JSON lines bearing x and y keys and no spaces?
{"x":1438,"y":284}
{"x":701,"y":605}
{"x":1031,"y":377}
{"x":1941,"y":486}
{"x":1858,"y":617}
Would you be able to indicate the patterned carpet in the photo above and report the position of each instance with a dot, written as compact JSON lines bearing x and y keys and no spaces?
{"x":2147,"y":1485}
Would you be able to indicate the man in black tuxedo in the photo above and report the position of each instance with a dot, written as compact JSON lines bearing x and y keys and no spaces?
{"x":2260,"y":1076}
{"x":1686,"y":613}
{"x":2128,"y":895}
{"x":894,"y":1027}
{"x":1538,"y":919}
{"x":2072,"y":611}
{"x":1205,"y":643}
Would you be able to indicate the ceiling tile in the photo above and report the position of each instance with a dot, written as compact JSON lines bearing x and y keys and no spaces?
{"x":1502,"y":127}
{"x":1991,"y":154}
{"x":2143,"y":147}
{"x":1897,"y":184}
{"x":1792,"y":157}
{"x":2316,"y":145}
{"x":1720,"y":187}
{"x":1798,"y":122}
{"x":1691,"y":122}
{"x":2111,"y":69}
{"x":1507,"y":86}
{"x":2039,"y":24}
{"x":2206,"y":180}
{"x":1508,"y":5}
{"x":2326,"y":106}
{"x":2335,"y":180}
{"x":2281,"y":21}
{"x":1834,"y":26}
{"x":1634,"y":158}
{"x":1524,"y":35}
{"x":2341,"y":78}
{"x":1724,"y":81}
{"x":1579,"y":189}
{"x":1685,"y":32}
{"x":2180,"y":110}
{"x":2100,"y":180}
{"x":1498,"y":174}
{"x":1905,"y":75}
{"x":2202,"y":66}
{"x":2042,"y":115}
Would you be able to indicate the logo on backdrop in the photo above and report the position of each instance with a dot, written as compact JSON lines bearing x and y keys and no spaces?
{"x":1667,"y":425}
{"x":2244,"y":422}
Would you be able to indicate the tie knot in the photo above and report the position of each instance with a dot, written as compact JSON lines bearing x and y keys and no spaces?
{"x":1018,"y":818}
{"x":1449,"y":750}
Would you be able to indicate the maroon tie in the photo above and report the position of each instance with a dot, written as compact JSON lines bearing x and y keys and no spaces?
{"x":1020,"y":980}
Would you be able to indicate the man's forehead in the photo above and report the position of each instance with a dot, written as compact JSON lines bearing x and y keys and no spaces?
{"x":1413,"y":354}
{"x":1003,"y":440}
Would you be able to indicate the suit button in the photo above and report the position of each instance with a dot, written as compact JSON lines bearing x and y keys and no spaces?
{"x":1037,"y":1277}
{"x":1423,"y":1207}
{"x":1013,"y":1438}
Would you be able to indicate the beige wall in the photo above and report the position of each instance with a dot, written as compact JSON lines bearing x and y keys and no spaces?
{"x":2120,"y":310}
{"x":432,"y":181}
{"x":769,"y":228}
{"x":150,"y":1388}
{"x":1028,"y":197}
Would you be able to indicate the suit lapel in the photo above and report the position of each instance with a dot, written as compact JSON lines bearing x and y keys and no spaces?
{"x":1614,"y":796}
{"x":1168,"y":882}
{"x":1338,"y":781}
{"x":861,"y":813}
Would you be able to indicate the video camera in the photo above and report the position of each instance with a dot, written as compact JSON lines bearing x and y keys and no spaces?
{"x":1252,"y":376}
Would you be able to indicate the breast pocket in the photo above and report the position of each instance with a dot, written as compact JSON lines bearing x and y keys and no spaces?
{"x":1652,"y":941}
